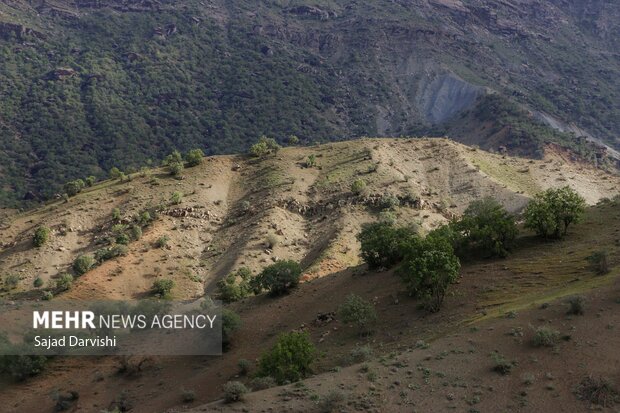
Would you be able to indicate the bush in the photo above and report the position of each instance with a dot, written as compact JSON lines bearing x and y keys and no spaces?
{"x":576,"y":305}
{"x":136,"y":232}
{"x":244,"y":367}
{"x":427,"y":270}
{"x":162,"y":241}
{"x":382,"y":244}
{"x":188,"y":396}
{"x":173,"y":157}
{"x":272,"y":241}
{"x":501,"y":365}
{"x":65,"y":282}
{"x":38,"y":282}
{"x":145,"y":218}
{"x":486,"y":227}
{"x":598,"y":391}
{"x":21,"y":367}
{"x":234,"y":391}
{"x":90,"y":181}
{"x":293,"y":140}
{"x":11,"y":281}
{"x":333,"y":401}
{"x":358,"y":186}
{"x":47,"y":295}
{"x":176,"y":168}
{"x":289,"y":359}
{"x":122,"y":239}
{"x":265,"y":146}
{"x":116,"y":214}
{"x":360,"y":354}
{"x":163,"y":287}
{"x":41,"y":235}
{"x":235,"y":286}
{"x":74,"y":187}
{"x":278,"y":278}
{"x":194,"y":157}
{"x":116,"y":173}
{"x":262,"y":383}
{"x":176,"y":198}
{"x":231,"y":322}
{"x":551,"y":212}
{"x":545,"y":337}
{"x":114,"y":251}
{"x":82,"y":264}
{"x":599,"y":262}
{"x":356,"y":310}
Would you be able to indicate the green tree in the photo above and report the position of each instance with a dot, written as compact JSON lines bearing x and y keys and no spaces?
{"x":358,"y":186}
{"x":115,"y":173}
{"x":551,"y":212}
{"x":265,"y":146}
{"x":90,"y":181}
{"x":82,"y":264}
{"x":163,"y":287}
{"x":73,"y":188}
{"x":278,"y":278}
{"x":356,"y":310}
{"x":382,"y":244}
{"x":236,"y":285}
{"x":65,"y":282}
{"x":427,"y":270}
{"x":194,"y":157}
{"x":41,"y":235}
{"x":486,"y":227}
{"x":231,"y":322}
{"x":289,"y":360}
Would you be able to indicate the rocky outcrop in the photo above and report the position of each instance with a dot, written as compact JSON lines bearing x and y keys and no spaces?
{"x":18,"y":31}
{"x":441,"y":97}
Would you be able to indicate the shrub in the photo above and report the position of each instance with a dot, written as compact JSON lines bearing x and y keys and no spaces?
{"x":311,"y":161}
{"x":74,"y":187}
{"x":389,"y":201}
{"x":38,"y":282}
{"x":188,"y":396}
{"x":265,"y":146}
{"x":194,"y":157}
{"x":360,"y":354}
{"x":234,"y":391}
{"x":545,"y":337}
{"x":176,"y":198}
{"x":11,"y":281}
{"x":598,"y":391}
{"x":551,"y":212}
{"x":244,"y":367}
{"x":272,"y":241}
{"x":116,"y":214}
{"x":162,"y":241}
{"x":47,"y":295}
{"x":576,"y":305}
{"x":356,"y":310}
{"x":145,"y":218}
{"x":358,"y":186}
{"x":163,"y":287}
{"x":278,"y":278}
{"x":65,"y":282}
{"x":90,"y":181}
{"x":599,"y":262}
{"x":262,"y":383}
{"x":116,"y":173}
{"x":231,"y":322}
{"x":501,"y":365}
{"x":382,"y":244}
{"x":41,"y":235}
{"x":486,"y":227}
{"x":176,"y":168}
{"x":114,"y":251}
{"x":289,"y":359}
{"x":136,"y":232}
{"x":20,"y":367}
{"x":293,"y":140}
{"x":82,"y":264}
{"x":427,"y":270}
{"x":173,"y":157}
{"x":333,"y":401}
{"x":235,"y":286}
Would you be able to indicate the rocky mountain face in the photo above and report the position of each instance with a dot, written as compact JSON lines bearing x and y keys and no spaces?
{"x":88,"y":84}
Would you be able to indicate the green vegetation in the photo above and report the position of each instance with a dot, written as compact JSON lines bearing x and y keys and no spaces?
{"x":289,"y":360}
{"x":277,"y":278}
{"x":64,"y":282}
{"x":545,"y":337}
{"x":162,"y":241}
{"x":576,"y":305}
{"x":235,"y":286}
{"x":231,"y":322}
{"x":427,"y":270}
{"x":82,"y":264}
{"x":11,"y":281}
{"x":38,"y":282}
{"x":20,"y":367}
{"x":176,"y":198}
{"x":551,"y":212}
{"x":356,"y":310}
{"x":107,"y":253}
{"x":41,"y":235}
{"x":234,"y":391}
{"x":382,"y":244}
{"x":194,"y":157}
{"x":163,"y":287}
{"x":501,"y":364}
{"x":599,"y":262}
{"x":358,"y":186}
{"x":116,"y":214}
{"x":265,"y":146}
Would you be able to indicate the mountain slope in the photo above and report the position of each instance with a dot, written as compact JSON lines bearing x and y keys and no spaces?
{"x":90,"y":85}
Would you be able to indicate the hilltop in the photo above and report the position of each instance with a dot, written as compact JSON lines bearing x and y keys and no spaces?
{"x":232,"y":207}
{"x":89,"y":85}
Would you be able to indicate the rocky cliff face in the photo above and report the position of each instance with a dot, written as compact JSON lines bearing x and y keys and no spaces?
{"x":152,"y":75}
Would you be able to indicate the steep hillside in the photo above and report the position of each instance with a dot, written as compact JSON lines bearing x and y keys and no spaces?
{"x":431,"y":362}
{"x":87,"y":85}
{"x":231,"y":205}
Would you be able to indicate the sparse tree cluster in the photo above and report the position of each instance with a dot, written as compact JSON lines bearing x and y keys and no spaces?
{"x":551,"y":212}
{"x":265,"y":146}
